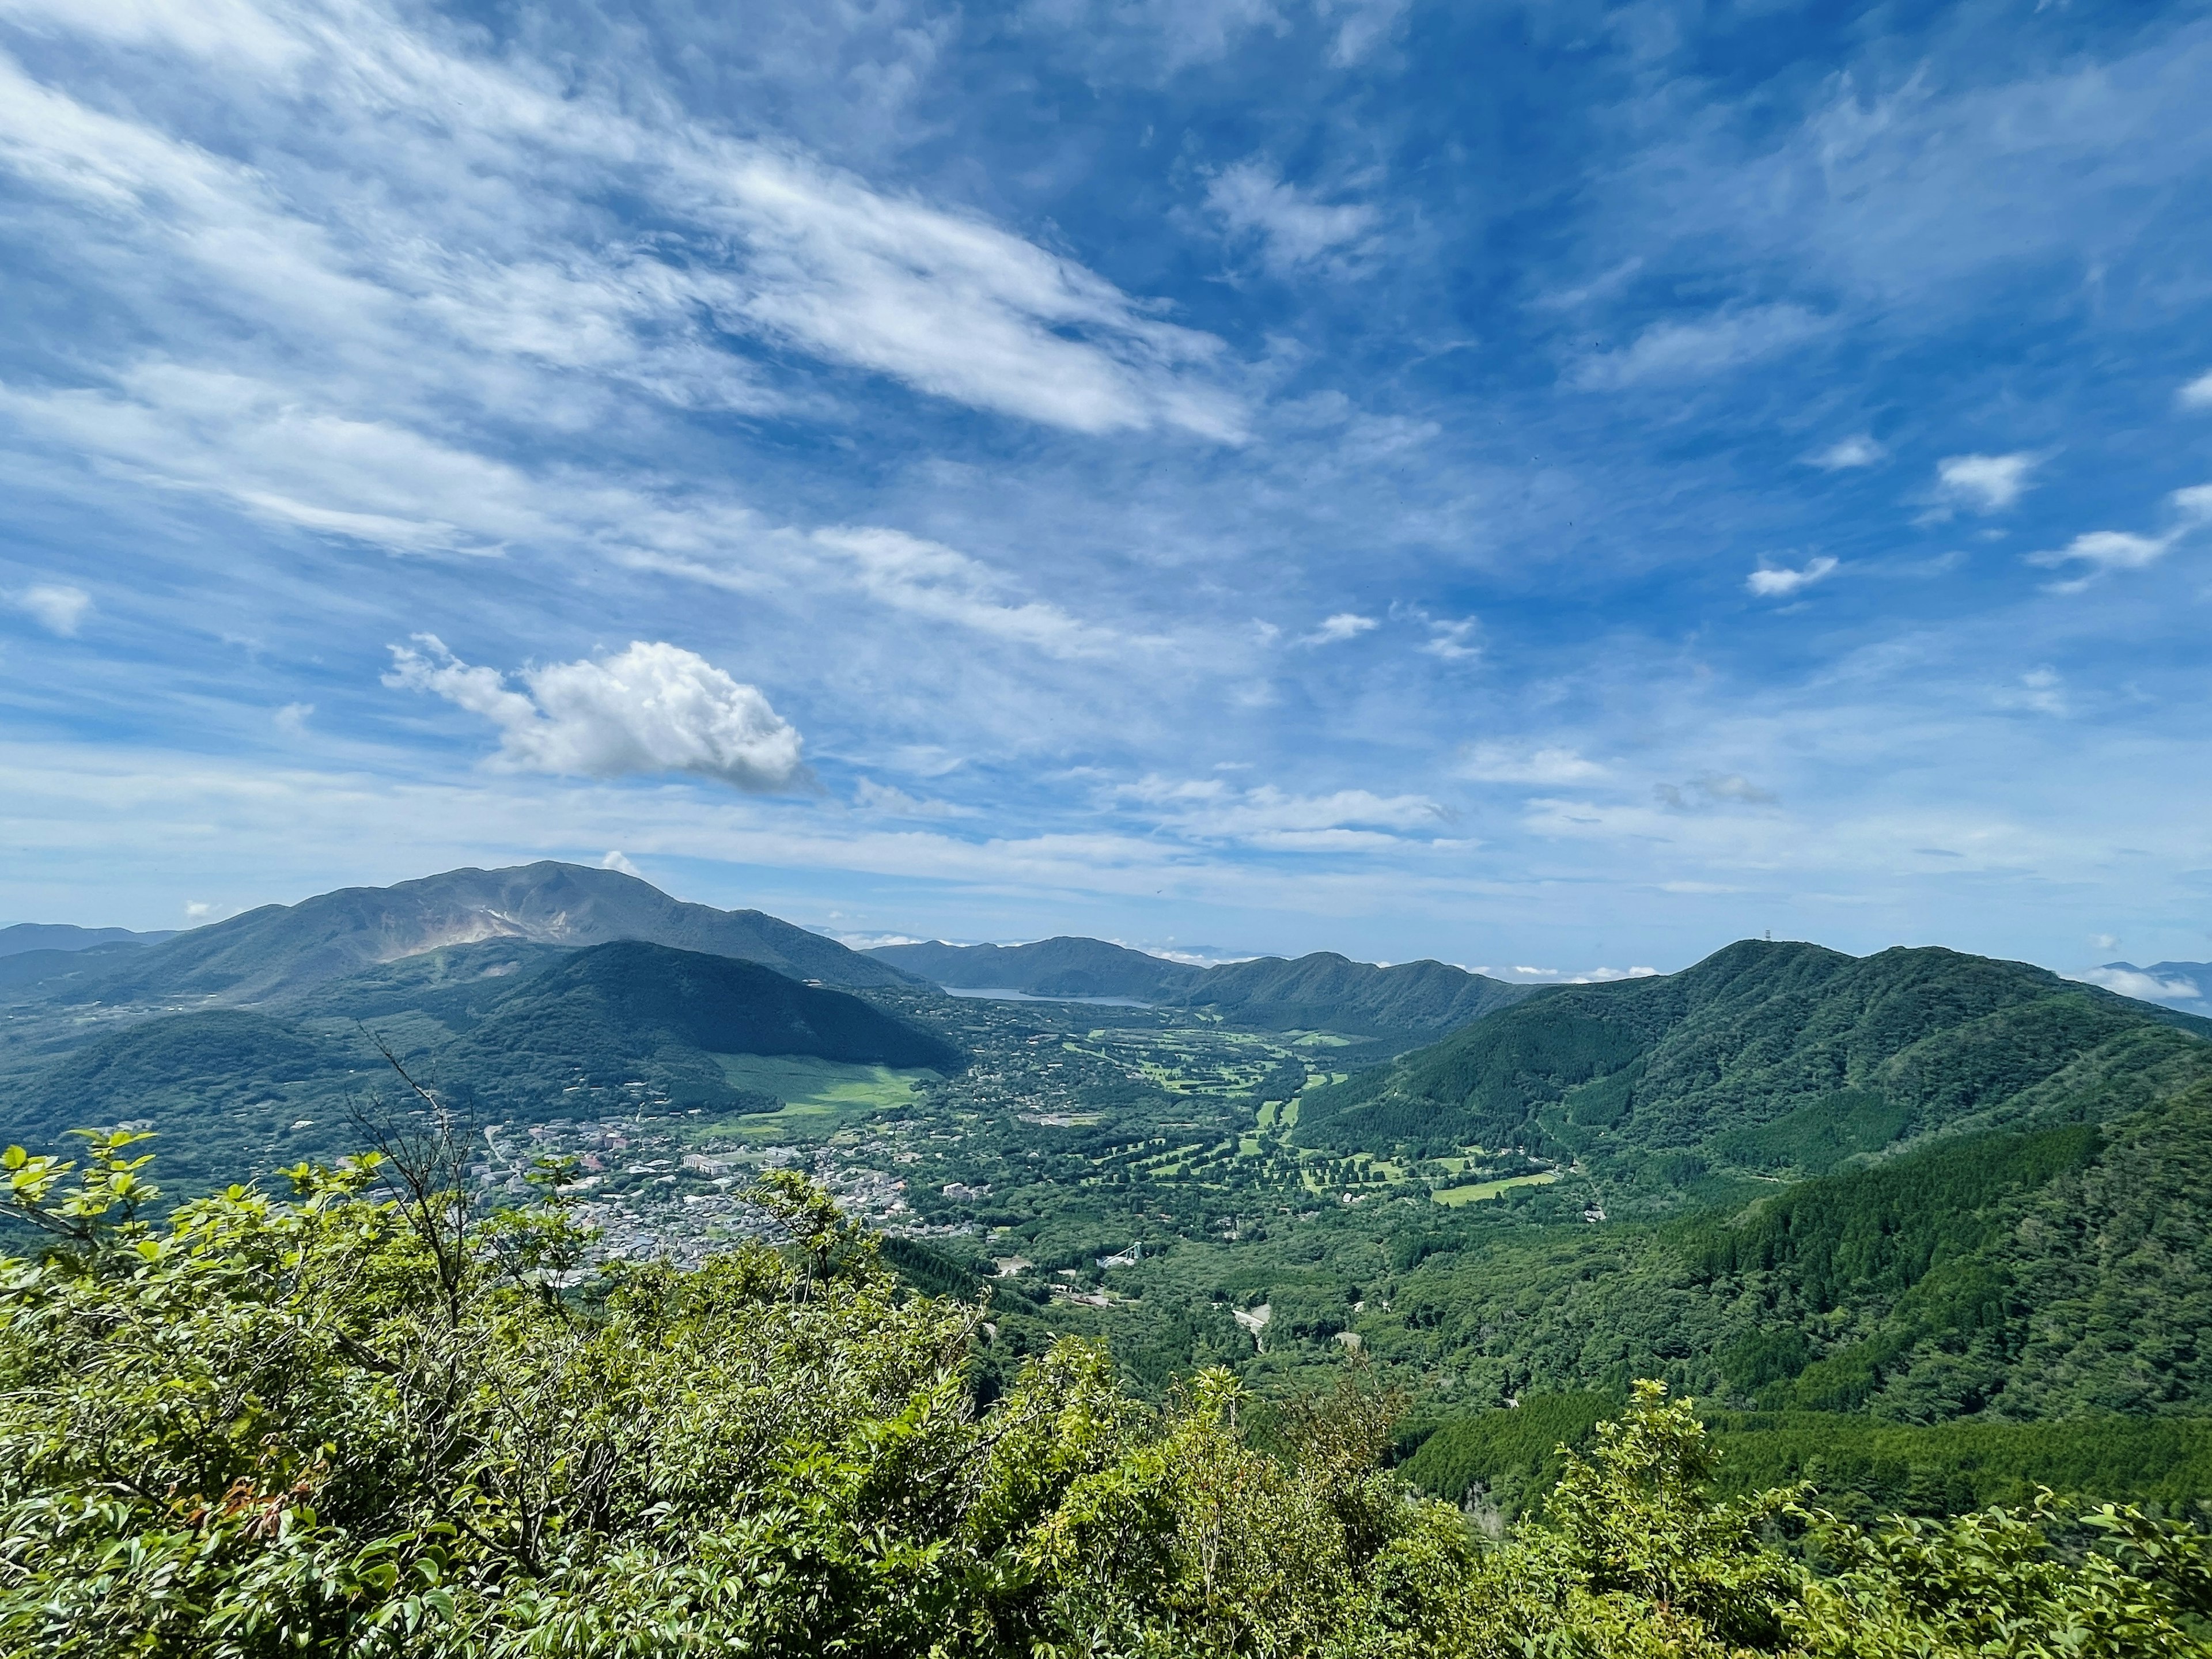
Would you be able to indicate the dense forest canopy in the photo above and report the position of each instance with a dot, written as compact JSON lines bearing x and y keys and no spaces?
{"x":370,"y":1420}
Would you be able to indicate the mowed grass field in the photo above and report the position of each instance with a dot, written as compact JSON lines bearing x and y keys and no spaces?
{"x":1475,"y":1192}
{"x":801,"y":1080}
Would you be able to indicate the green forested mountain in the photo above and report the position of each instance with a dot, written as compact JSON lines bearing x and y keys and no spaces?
{"x":1332,"y":992}
{"x":281,"y":951}
{"x":2038,"y":1273}
{"x":504,"y":1029}
{"x":613,"y":1007}
{"x":1769,"y":1059}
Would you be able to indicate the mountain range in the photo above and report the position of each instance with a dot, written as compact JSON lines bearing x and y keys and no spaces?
{"x":1768,"y":1059}
{"x":1320,"y":990}
{"x":279,"y":951}
{"x":62,"y":937}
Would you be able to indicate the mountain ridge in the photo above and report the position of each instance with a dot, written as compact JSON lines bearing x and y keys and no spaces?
{"x":277,"y":951}
{"x":1321,"y":990}
{"x":63,"y":936}
{"x":1767,"y":1057}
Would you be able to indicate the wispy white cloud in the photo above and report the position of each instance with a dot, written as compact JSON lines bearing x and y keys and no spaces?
{"x":2107,"y":550}
{"x":654,"y":708}
{"x":1453,"y":639}
{"x":1846,"y":453}
{"x":1493,"y":762}
{"x":2198,"y":394}
{"x":1268,"y":816}
{"x":1707,"y":345}
{"x":1986,"y":483}
{"x":1344,"y":625}
{"x":1361,"y":26}
{"x":2039,"y":691}
{"x":927,"y":579}
{"x":1291,"y":228}
{"x":1775,"y":582}
{"x":754,"y":239}
{"x":58,"y":607}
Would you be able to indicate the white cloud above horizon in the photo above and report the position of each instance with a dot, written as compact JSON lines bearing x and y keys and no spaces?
{"x":1291,"y":228}
{"x":1493,"y":762}
{"x":1846,"y":453}
{"x":1986,"y":483}
{"x":1775,"y":581}
{"x":654,"y":708}
{"x":58,"y":607}
{"x":1344,"y":625}
{"x":1728,"y":340}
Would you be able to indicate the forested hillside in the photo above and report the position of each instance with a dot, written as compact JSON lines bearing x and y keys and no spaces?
{"x":505,"y":1029}
{"x":353,"y":1425}
{"x":2035,"y":1274}
{"x":1769,"y":1059}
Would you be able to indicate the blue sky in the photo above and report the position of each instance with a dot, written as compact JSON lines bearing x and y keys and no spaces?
{"x":1553,"y":487}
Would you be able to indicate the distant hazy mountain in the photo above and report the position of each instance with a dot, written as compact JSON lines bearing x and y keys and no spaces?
{"x":1050,"y":968}
{"x":33,"y":967}
{"x":1768,"y":1056}
{"x":1323,"y":990}
{"x":283,"y":950}
{"x":60,"y":936}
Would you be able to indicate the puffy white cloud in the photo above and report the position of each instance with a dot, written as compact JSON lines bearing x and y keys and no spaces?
{"x":1986,"y":483}
{"x":615,"y":860}
{"x":1345,"y":625}
{"x":1493,"y":763}
{"x":55,"y":606}
{"x":1292,"y":227}
{"x":1728,"y":340}
{"x":292,"y":719}
{"x":2198,"y":394}
{"x":654,"y":708}
{"x":1771,"y":582}
{"x":1857,"y":451}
